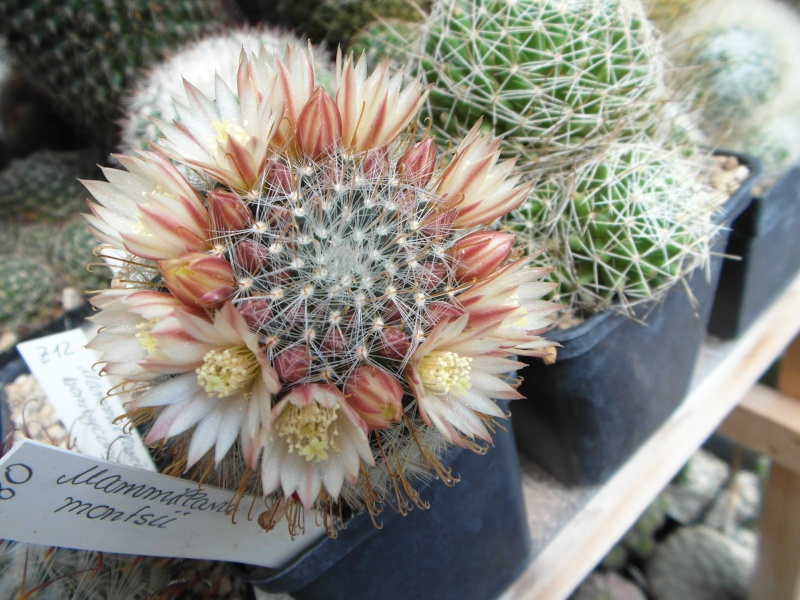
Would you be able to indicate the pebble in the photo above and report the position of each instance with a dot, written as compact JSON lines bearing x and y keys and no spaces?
{"x":607,"y":586}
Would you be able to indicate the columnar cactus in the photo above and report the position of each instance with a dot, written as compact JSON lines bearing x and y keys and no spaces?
{"x":199,"y":62}
{"x":84,"y":53}
{"x":557,"y":78}
{"x":619,"y":229}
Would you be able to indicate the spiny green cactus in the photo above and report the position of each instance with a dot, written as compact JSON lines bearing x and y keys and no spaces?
{"x":620,"y":229}
{"x":72,"y":250}
{"x":28,"y":293}
{"x":739,"y":70}
{"x":198,"y":62}
{"x":83,"y":53}
{"x":383,"y":38}
{"x":45,"y":186}
{"x":776,"y":143}
{"x":557,"y":78}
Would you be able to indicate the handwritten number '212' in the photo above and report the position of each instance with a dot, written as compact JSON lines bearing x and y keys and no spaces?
{"x":60,"y":350}
{"x":15,"y":474}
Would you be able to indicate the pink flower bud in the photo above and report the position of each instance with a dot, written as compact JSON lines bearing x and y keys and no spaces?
{"x":251,"y":256}
{"x":376,"y":162}
{"x":395,"y":343}
{"x":279,"y":177}
{"x":292,"y":364}
{"x":198,"y":279}
{"x":228,"y":211}
{"x":376,"y":396}
{"x":418,"y":163}
{"x":430,"y":274}
{"x":319,"y":126}
{"x":479,"y":254}
{"x":444,"y":311}
{"x":256,"y":311}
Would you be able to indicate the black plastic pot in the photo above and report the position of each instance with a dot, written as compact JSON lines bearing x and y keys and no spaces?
{"x":616,"y":379}
{"x":767,"y":238}
{"x":471,"y":543}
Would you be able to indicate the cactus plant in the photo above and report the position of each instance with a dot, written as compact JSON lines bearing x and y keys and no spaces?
{"x":198,"y":62}
{"x":558,"y":79}
{"x":28,"y":293}
{"x":83,"y":54}
{"x":620,"y":229}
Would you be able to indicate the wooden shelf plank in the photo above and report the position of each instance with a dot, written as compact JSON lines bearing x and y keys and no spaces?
{"x":768,"y":422}
{"x":725,"y":372}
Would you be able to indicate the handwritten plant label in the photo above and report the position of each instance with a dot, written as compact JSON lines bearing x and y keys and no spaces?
{"x":60,"y":498}
{"x":63,"y":368}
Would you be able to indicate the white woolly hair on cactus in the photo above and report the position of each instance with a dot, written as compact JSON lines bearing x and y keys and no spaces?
{"x":764,"y":52}
{"x":198,"y":62}
{"x":621,"y":228}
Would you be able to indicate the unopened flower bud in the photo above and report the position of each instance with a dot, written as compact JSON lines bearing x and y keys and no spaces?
{"x":444,"y":311}
{"x":376,"y":396}
{"x":198,"y":279}
{"x":278,"y":177}
{"x":394,"y":343}
{"x":319,"y":126}
{"x":419,"y":162}
{"x":251,"y":256}
{"x":256,"y":311}
{"x":430,"y":274}
{"x":376,"y":162}
{"x":292,"y":364}
{"x":479,"y":254}
{"x":228,"y":211}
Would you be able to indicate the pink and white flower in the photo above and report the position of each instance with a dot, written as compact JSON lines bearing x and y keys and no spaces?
{"x":223,"y":387}
{"x":314,"y":440}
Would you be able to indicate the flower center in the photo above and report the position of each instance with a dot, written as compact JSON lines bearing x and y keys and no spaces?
{"x":147,"y":341}
{"x":225,"y":128}
{"x":445,"y":372}
{"x":311,"y":429}
{"x":226,"y":371}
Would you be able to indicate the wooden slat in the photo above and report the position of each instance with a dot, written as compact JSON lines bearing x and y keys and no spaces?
{"x":778,"y":570}
{"x":768,"y":422}
{"x":585,"y":537}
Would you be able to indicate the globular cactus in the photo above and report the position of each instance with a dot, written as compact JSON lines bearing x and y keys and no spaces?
{"x":620,"y":229}
{"x":45,"y":186}
{"x":559,"y":79}
{"x":775,"y":140}
{"x":29,"y":296}
{"x":46,"y":242}
{"x":197,"y":62}
{"x":384,"y":38}
{"x":83,"y":54}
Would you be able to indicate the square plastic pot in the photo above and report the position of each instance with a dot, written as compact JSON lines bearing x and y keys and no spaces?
{"x":767,"y":238}
{"x":616,"y":379}
{"x":471,"y":543}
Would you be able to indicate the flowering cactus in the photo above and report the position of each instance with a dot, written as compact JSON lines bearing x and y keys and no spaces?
{"x":331,"y":297}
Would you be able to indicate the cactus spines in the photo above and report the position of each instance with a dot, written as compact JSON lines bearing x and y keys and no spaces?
{"x":557,"y":78}
{"x":28,"y":293}
{"x":619,"y":229}
{"x":83,"y":54}
{"x":198,"y":62}
{"x":45,"y":186}
{"x":73,"y":248}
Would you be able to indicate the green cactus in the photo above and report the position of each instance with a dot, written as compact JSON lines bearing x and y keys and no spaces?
{"x":619,"y":229}
{"x":382,"y":38}
{"x":776,"y":143}
{"x":738,"y":71}
{"x":44,"y":185}
{"x":198,"y":62}
{"x":72,"y":250}
{"x":84,"y":53}
{"x":28,"y":293}
{"x":557,"y":78}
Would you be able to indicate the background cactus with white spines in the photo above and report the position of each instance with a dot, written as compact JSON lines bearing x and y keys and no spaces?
{"x":620,"y":229}
{"x":198,"y":62}
{"x":559,"y":79}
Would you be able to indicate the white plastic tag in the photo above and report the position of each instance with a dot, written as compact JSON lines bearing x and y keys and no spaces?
{"x":63,"y":367}
{"x":60,"y":498}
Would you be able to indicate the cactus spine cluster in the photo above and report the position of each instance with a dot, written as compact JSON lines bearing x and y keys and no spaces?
{"x":620,"y":229}
{"x":83,"y":54}
{"x":559,"y":79}
{"x":198,"y":63}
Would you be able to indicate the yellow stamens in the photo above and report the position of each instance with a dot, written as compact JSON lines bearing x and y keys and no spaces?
{"x":446,"y":372}
{"x":225,"y":128}
{"x":310,"y":429}
{"x":147,"y":341}
{"x":227,"y":371}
